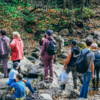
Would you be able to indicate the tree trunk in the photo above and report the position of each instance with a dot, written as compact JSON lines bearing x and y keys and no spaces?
{"x":42,"y":2}
{"x":47,"y":5}
{"x":82,"y":6}
{"x":64,"y":4}
{"x":71,"y":20}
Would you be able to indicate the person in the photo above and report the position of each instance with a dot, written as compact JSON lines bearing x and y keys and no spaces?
{"x":17,"y":48}
{"x":12,"y":76}
{"x":87,"y":76}
{"x":19,"y":88}
{"x":47,"y":59}
{"x":41,"y":40}
{"x":94,"y":47}
{"x":70,"y":63}
{"x":4,"y":50}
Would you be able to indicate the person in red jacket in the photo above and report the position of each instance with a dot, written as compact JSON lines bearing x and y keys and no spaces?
{"x":17,"y":48}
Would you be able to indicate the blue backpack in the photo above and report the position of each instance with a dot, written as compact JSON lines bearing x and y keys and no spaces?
{"x":52,"y":49}
{"x":97,"y":59}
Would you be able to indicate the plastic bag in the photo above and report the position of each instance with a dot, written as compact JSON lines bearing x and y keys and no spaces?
{"x":63,"y":77}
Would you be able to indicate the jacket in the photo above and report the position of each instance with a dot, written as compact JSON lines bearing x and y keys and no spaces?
{"x":4,"y":45}
{"x":45,"y":46}
{"x":17,"y":49}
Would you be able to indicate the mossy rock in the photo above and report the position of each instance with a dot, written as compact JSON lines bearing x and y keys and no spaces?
{"x":70,"y":39}
{"x":82,"y":45}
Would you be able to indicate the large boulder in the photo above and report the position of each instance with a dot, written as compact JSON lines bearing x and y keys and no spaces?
{"x":96,"y":33}
{"x":64,"y":32}
{"x":44,"y":96}
{"x":25,"y":64}
{"x":89,"y":37}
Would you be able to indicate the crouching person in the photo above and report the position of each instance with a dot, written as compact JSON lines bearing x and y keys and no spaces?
{"x":13,"y":76}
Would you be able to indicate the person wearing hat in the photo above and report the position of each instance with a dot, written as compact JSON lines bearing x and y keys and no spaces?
{"x":94,"y":47}
{"x":47,"y":59}
{"x":70,"y":63}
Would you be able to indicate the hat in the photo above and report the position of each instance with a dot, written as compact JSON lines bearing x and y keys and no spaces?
{"x":74,"y":42}
{"x":49,"y":32}
{"x":94,"y":45}
{"x":16,"y":64}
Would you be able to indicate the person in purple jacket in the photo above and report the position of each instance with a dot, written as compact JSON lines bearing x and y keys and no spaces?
{"x":47,"y":59}
{"x":4,"y":50}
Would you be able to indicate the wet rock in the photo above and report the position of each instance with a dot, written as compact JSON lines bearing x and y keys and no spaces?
{"x":64,"y":32}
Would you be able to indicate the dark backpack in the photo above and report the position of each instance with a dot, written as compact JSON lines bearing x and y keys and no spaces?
{"x":97,"y":59}
{"x":52,"y":49}
{"x":82,"y":63}
{"x":40,"y":42}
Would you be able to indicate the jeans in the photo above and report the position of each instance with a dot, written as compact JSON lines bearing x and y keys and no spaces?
{"x":97,"y":75}
{"x":85,"y":87}
{"x":28,"y":84}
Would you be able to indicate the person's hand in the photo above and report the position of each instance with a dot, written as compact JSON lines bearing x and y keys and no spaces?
{"x":64,"y":68}
{"x":24,"y":81}
{"x":92,"y":76}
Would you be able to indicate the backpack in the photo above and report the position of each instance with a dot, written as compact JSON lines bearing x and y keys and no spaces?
{"x":82,"y":63}
{"x":40,"y":42}
{"x":52,"y":49}
{"x":97,"y":59}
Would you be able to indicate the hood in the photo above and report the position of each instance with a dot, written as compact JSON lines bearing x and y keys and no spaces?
{"x":76,"y":50}
{"x":18,"y":39}
{"x":3,"y":38}
{"x":50,"y":37}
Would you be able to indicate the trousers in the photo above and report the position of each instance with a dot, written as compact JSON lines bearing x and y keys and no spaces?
{"x":74,"y":75}
{"x":4,"y":58}
{"x":85,"y":87}
{"x":97,"y":76}
{"x":48,"y":63}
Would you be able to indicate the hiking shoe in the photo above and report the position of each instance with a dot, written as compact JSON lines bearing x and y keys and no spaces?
{"x":51,"y":80}
{"x":6,"y":76}
{"x":46,"y":79}
{"x":93,"y":88}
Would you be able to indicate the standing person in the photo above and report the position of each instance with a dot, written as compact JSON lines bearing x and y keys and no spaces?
{"x":87,"y":76}
{"x":70,"y":63}
{"x":47,"y":59}
{"x":4,"y":50}
{"x":17,"y":48}
{"x":94,"y":47}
